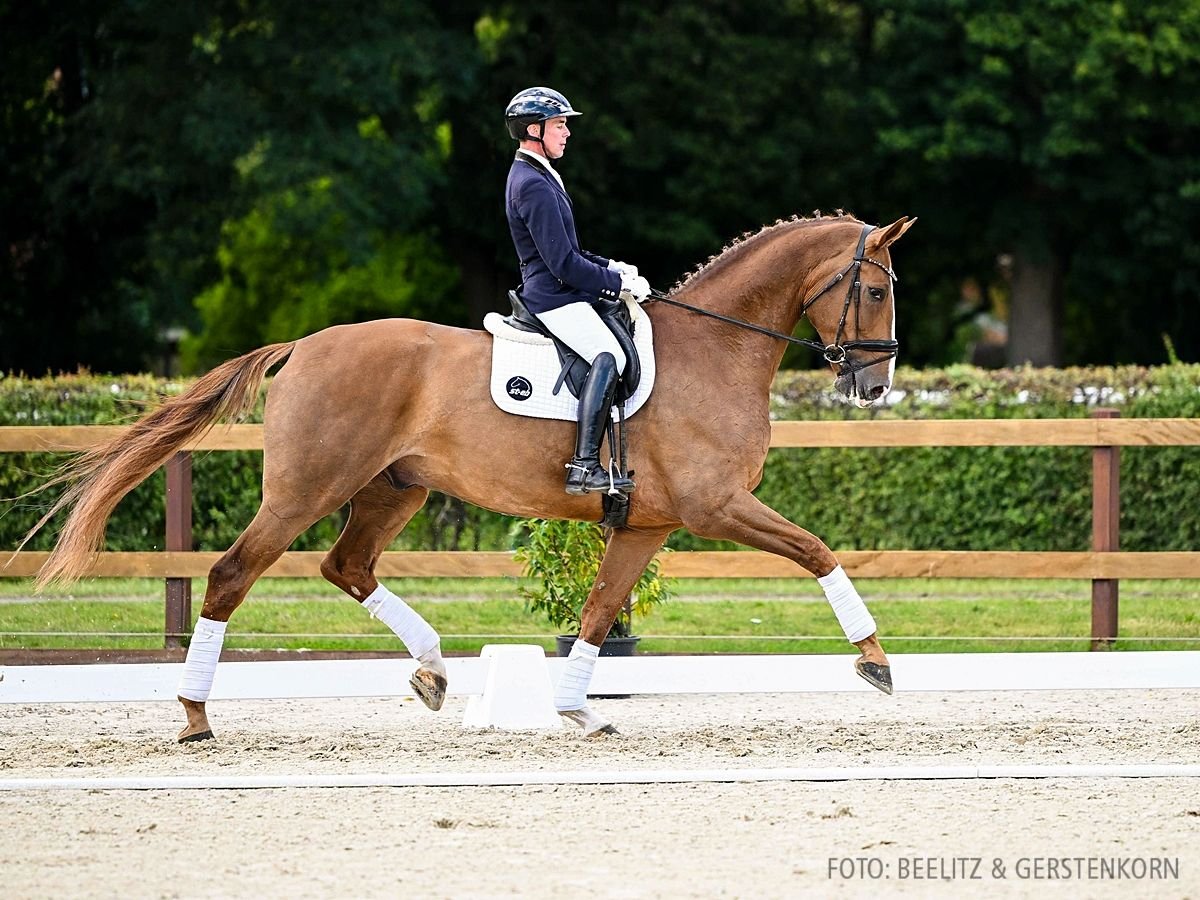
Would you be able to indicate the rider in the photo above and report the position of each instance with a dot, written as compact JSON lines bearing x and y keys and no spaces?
{"x":559,"y":281}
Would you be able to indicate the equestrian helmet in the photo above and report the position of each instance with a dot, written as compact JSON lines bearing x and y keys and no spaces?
{"x":535,"y":104}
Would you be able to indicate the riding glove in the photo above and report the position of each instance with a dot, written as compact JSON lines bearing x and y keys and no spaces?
{"x":623,"y":268}
{"x":637,"y":287}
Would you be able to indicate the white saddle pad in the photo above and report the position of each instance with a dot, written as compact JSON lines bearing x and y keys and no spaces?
{"x":525,"y":368}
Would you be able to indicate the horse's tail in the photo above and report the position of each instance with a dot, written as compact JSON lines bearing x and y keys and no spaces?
{"x":101,"y":476}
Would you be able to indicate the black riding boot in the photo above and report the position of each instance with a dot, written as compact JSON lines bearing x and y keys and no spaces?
{"x":584,"y":472}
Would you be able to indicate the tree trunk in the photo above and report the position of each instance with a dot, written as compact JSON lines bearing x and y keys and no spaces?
{"x":1035,"y":312}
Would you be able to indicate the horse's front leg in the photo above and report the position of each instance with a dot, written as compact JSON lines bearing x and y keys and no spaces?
{"x":743,"y":518}
{"x":625,"y":558}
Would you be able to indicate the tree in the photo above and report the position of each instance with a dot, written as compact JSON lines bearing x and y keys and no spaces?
{"x":141,"y":127}
{"x":701,"y":121}
{"x":290,"y":166}
{"x":344,"y":158}
{"x":279,"y":287}
{"x":71,"y":256}
{"x":1061,"y":135}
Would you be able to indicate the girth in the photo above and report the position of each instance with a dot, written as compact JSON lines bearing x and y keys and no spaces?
{"x":614,"y":314}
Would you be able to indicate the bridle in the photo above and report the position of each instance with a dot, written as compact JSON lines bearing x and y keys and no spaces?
{"x":836,"y":352}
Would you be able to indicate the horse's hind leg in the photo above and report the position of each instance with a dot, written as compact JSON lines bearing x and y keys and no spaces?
{"x":229,"y":580}
{"x":377,"y":514}
{"x":743,"y":518}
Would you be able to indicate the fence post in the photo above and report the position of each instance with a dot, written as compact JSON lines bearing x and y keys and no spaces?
{"x":179,"y":538}
{"x":1106,"y":534}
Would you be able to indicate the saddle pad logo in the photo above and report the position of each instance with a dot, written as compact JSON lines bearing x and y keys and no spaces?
{"x":519,"y":388}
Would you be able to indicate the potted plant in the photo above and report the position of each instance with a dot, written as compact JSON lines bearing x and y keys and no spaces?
{"x":563,"y":558}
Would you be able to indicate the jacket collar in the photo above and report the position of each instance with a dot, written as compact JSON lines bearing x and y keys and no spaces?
{"x":540,"y":162}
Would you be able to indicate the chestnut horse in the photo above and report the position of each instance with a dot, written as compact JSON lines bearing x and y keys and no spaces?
{"x":380,"y":413}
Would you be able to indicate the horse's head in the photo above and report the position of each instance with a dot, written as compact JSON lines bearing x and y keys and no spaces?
{"x":858,"y":325}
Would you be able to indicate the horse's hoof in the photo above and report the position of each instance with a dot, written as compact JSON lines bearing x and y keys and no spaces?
{"x":198,"y":736}
{"x":875,"y":674}
{"x":586,"y":719}
{"x":430,"y":686}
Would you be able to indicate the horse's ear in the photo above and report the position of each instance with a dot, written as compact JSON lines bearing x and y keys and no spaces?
{"x":882,"y":237}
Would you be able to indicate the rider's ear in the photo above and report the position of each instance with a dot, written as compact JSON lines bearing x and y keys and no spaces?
{"x":882,"y":237}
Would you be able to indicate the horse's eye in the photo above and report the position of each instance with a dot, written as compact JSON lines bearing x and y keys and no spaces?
{"x":877,"y":293}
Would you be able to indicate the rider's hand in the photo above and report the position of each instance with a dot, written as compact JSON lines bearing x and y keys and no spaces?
{"x":623,"y":267}
{"x":637,"y":287}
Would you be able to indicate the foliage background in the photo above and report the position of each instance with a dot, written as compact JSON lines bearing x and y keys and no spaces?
{"x":209,"y":177}
{"x":560,"y":560}
{"x":946,"y":498}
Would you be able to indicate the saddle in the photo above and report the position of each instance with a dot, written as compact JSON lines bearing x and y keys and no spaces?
{"x":615,"y":315}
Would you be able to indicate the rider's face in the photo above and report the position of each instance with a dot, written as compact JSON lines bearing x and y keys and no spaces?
{"x":555,"y":136}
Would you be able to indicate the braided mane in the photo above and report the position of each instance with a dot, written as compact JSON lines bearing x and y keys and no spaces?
{"x":734,"y":248}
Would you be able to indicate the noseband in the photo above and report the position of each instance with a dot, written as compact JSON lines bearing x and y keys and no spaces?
{"x":834,"y":353}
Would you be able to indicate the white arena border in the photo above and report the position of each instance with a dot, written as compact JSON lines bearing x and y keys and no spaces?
{"x":634,"y":776}
{"x":141,"y":682}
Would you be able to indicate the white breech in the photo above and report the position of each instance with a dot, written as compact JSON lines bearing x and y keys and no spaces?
{"x":580,"y":327}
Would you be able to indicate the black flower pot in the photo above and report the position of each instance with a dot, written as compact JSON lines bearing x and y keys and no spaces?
{"x":612,"y":646}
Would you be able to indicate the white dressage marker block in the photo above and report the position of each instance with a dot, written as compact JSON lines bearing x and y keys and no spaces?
{"x":517,"y":692}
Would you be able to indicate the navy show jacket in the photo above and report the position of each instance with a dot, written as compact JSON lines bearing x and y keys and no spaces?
{"x":554,"y":271}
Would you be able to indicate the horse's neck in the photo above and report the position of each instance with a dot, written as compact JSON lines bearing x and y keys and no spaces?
{"x":763,"y":286}
{"x":763,"y":280}
{"x":715,"y":357}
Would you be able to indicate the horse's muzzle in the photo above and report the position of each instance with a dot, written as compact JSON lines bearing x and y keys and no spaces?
{"x":863,"y":388}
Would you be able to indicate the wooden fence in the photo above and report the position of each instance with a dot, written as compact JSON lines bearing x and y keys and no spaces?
{"x":1104,"y":564}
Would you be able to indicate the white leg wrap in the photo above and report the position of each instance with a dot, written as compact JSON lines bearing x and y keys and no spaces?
{"x":849,"y":608}
{"x":201,"y":664}
{"x":418,"y":636}
{"x":571,"y":691}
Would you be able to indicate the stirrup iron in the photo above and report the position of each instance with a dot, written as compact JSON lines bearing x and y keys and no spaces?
{"x":612,"y":481}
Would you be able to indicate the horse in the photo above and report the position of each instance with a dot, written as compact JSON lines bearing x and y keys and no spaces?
{"x":378,"y":414}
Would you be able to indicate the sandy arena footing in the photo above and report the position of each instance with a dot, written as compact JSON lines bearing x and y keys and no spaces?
{"x":996,"y":837}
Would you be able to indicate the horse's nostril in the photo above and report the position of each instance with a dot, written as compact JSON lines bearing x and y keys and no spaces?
{"x":876,"y":392}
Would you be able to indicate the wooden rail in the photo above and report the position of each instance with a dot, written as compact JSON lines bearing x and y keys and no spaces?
{"x":1104,"y":565}
{"x":687,"y":564}
{"x":1093,"y":432}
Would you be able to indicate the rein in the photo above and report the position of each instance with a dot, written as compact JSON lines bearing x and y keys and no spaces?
{"x":836,"y":352}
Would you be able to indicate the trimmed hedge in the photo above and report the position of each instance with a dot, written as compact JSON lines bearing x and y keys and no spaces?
{"x":990,"y":498}
{"x":954,"y":498}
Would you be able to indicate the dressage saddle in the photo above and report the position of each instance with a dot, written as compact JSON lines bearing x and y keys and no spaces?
{"x":614,"y":314}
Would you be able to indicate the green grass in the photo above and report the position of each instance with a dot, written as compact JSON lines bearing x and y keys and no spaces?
{"x":726,"y":615}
